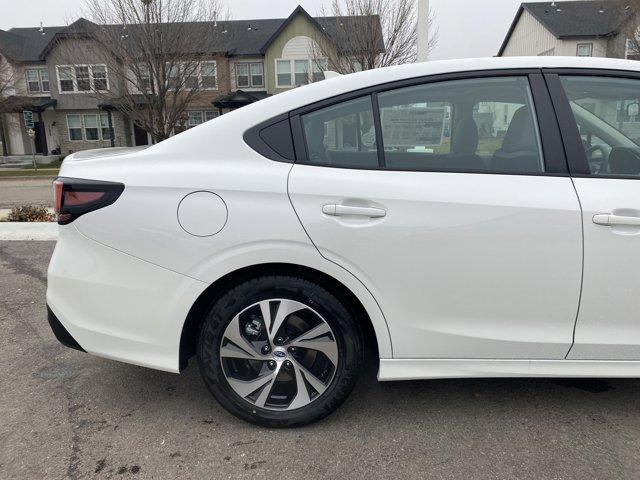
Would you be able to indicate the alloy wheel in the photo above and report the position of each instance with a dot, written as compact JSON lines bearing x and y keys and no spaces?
{"x":279,"y":354}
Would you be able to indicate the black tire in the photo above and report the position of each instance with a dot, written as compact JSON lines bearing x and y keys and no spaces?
{"x":344,"y":326}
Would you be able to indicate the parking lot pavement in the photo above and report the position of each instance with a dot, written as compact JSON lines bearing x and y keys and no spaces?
{"x":66,"y":414}
{"x":25,"y":191}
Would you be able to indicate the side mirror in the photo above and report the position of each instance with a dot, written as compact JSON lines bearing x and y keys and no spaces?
{"x":633,"y":109}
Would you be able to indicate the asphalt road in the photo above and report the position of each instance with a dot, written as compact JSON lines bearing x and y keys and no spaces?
{"x":66,"y":414}
{"x":25,"y":191}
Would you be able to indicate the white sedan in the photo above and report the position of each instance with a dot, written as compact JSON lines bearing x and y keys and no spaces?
{"x":472,"y":218}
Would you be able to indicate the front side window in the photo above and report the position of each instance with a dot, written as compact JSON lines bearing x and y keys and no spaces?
{"x":104,"y":126}
{"x":301,"y":72}
{"x":476,"y":125}
{"x":607,"y":113}
{"x":242,"y":75}
{"x":342,"y":135}
{"x":257,"y":75}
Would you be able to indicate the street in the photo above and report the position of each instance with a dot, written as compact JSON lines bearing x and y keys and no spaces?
{"x":66,"y":414}
{"x":25,"y":191}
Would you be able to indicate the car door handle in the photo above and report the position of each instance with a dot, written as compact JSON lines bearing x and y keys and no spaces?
{"x":610,"y":220}
{"x":341,"y":210}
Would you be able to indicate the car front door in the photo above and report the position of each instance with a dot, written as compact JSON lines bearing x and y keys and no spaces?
{"x":441,"y":199}
{"x":599,"y":113}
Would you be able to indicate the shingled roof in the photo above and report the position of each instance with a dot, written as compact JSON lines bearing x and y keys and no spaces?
{"x":585,"y":18}
{"x":233,"y":37}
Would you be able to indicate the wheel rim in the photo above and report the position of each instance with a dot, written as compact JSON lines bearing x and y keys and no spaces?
{"x":279,"y":354}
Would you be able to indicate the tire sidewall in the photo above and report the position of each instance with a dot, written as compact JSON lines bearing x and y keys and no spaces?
{"x":342,"y":323}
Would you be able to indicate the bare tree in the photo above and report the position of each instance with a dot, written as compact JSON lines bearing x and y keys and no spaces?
{"x":626,"y":16}
{"x":8,"y":80}
{"x":160,"y":57}
{"x":358,"y":41}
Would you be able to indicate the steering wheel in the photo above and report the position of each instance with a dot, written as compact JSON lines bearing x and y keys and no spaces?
{"x":604,"y":164}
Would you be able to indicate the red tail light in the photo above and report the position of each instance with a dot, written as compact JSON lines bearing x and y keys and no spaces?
{"x":74,"y":196}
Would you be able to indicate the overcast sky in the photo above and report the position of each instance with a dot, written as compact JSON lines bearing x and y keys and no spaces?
{"x":467,"y":28}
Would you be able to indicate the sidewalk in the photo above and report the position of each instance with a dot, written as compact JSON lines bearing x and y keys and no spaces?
{"x":28,"y":231}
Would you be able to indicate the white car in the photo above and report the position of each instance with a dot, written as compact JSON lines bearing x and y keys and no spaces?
{"x":471,"y":218}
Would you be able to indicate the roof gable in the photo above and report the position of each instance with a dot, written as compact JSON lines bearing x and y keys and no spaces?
{"x":298,"y":11}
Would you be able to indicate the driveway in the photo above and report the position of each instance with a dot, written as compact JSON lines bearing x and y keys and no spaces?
{"x":23,"y":191}
{"x":67,"y":414}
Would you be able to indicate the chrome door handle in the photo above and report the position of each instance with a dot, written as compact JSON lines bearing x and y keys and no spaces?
{"x":341,"y":210}
{"x":610,"y":220}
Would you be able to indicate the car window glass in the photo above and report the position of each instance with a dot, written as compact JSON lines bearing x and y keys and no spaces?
{"x":472,"y":125}
{"x":342,"y":135}
{"x":607,"y":113}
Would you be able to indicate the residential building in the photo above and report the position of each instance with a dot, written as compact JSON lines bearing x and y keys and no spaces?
{"x":247,"y":60}
{"x":586,"y":28}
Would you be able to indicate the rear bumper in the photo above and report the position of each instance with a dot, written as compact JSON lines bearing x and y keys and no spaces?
{"x":115,"y":305}
{"x":61,"y":333}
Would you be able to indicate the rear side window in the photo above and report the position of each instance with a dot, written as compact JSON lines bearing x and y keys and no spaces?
{"x":607,"y":113}
{"x":342,"y":135}
{"x":472,"y":125}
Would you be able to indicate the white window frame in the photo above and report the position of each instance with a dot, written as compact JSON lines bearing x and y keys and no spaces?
{"x":38,"y":71}
{"x":83,"y":127}
{"x":75,"y":80}
{"x":629,"y":49}
{"x":249,"y":74}
{"x":589,"y":45}
{"x":310,"y":61}
{"x":180,"y":66}
{"x":204,"y":116}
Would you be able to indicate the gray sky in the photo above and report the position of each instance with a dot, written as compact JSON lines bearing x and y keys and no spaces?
{"x":468,"y":28}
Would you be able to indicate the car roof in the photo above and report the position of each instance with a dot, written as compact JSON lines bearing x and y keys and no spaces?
{"x":258,"y":112}
{"x":299,"y":97}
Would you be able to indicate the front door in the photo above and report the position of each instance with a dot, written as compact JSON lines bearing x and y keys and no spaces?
{"x":40,"y":138}
{"x":140,"y":135}
{"x":446,"y":209}
{"x":602,"y":129}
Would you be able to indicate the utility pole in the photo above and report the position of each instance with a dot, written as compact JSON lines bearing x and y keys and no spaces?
{"x":423,"y":30}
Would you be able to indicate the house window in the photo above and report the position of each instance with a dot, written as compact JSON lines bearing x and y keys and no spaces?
{"x":208,"y":75}
{"x":144,"y":78}
{"x":37,"y":80}
{"x":631,"y":50}
{"x":196,"y":75}
{"x":584,"y":50}
{"x":74,"y":122}
{"x":82,"y":78}
{"x":249,"y":75}
{"x":257,"y":75}
{"x":89,"y":127}
{"x":196,"y":117}
{"x":283,"y":73}
{"x":299,"y":71}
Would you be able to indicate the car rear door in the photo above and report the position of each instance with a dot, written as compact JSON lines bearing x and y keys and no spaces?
{"x":449,"y":199}
{"x":599,"y":112}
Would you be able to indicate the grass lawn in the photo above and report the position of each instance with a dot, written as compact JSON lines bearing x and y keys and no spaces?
{"x":43,"y":170}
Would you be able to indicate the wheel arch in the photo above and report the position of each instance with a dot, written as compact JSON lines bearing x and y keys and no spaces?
{"x":375,"y":340}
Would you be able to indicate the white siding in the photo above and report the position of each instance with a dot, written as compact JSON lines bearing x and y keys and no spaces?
{"x":531,"y":38}
{"x":300,"y":47}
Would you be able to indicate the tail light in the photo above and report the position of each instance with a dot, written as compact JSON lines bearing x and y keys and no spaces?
{"x":75,"y":196}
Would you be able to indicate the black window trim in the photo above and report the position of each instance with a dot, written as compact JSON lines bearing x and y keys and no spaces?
{"x":552,"y":150}
{"x":575,"y":154}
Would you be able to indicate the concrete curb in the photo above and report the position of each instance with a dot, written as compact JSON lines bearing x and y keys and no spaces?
{"x":15,"y":231}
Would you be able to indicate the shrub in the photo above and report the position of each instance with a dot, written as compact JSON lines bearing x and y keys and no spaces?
{"x":30,"y":213}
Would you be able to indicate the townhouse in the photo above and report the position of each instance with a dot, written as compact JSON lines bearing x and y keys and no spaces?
{"x":248,"y":61}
